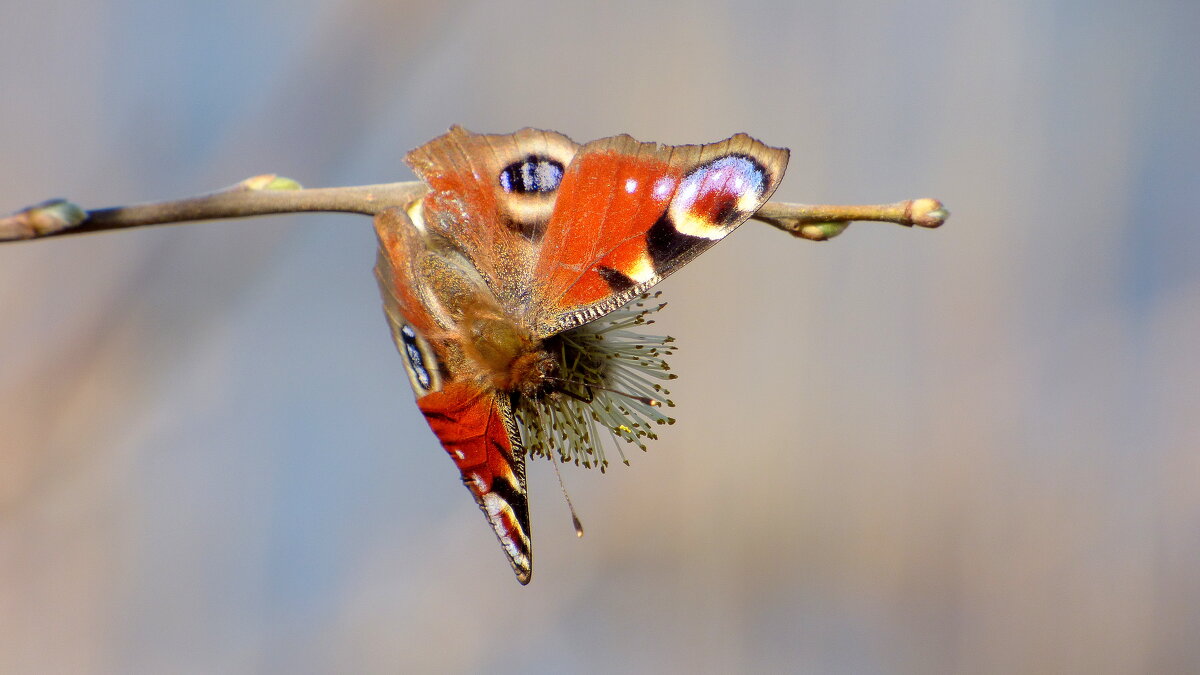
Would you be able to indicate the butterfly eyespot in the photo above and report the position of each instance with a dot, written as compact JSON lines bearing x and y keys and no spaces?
{"x":534,"y":173}
{"x":417,"y":361}
{"x":717,"y":194}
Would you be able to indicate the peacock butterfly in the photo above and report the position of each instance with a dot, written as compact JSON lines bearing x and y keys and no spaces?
{"x":514,"y":287}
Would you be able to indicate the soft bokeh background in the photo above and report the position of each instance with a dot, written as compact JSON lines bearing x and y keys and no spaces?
{"x":969,"y":450}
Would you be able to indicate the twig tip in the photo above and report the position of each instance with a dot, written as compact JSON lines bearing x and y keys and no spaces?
{"x":927,"y":212}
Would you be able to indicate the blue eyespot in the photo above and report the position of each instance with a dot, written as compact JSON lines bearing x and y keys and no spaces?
{"x":415,"y":360}
{"x":534,"y":173}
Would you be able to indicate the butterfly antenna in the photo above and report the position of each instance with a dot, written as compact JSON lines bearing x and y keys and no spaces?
{"x":574,"y":517}
{"x":653,"y":403}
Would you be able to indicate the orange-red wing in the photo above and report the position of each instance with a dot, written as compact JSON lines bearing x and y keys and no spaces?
{"x":492,"y":195}
{"x":476,"y":429}
{"x":629,"y":213}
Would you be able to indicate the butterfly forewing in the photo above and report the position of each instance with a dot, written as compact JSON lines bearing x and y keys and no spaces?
{"x":629,"y":214}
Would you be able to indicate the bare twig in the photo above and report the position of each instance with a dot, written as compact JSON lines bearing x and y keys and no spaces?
{"x":270,"y":194}
{"x":820,"y":222}
{"x":257,"y":196}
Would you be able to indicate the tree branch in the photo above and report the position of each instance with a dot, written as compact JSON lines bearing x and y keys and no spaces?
{"x":257,"y":196}
{"x":820,"y":222}
{"x":271,"y":194}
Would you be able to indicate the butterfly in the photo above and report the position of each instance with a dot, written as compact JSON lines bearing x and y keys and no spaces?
{"x":514,"y":288}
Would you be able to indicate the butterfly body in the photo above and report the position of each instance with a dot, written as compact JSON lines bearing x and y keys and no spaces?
{"x":521,"y":241}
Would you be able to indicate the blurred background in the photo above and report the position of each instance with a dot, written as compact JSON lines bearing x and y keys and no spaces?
{"x":964,"y":450}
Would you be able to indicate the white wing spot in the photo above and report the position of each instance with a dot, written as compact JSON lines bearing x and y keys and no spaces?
{"x":663,"y":188}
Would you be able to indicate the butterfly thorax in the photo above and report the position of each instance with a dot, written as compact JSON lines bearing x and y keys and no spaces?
{"x":506,"y":354}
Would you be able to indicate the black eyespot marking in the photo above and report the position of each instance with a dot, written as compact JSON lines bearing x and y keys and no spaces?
{"x":617,"y":280}
{"x":667,"y":244}
{"x":534,"y":173}
{"x":725,"y":213}
{"x":415,"y":360}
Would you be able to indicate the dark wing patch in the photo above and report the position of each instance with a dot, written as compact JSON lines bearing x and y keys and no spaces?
{"x":616,"y":279}
{"x":666,"y":244}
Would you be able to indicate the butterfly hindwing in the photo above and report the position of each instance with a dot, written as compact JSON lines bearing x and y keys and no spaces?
{"x":427,"y":288}
{"x":477,"y":429}
{"x":492,"y":195}
{"x":628,"y":214}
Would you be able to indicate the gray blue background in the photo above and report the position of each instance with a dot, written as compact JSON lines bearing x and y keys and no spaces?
{"x":969,"y":450}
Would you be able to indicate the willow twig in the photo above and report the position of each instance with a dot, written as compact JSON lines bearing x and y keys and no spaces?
{"x":257,"y":196}
{"x":271,"y":194}
{"x":820,"y":222}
